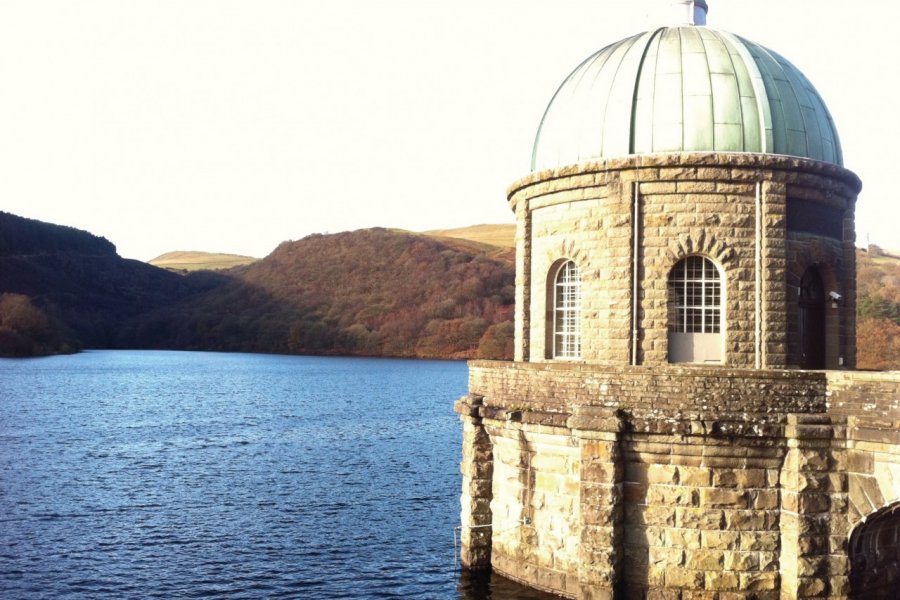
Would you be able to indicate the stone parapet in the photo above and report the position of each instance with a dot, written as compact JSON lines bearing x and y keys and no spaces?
{"x":619,"y":482}
{"x":690,"y":392}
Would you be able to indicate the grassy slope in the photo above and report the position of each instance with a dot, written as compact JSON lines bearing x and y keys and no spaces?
{"x":503,"y":236}
{"x":181,"y":260}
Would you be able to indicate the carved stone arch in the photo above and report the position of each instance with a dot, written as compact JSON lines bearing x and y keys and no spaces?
{"x":568,"y":250}
{"x":822,"y":257}
{"x":699,"y":243}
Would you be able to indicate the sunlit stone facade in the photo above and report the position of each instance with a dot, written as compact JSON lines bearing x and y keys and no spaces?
{"x":681,"y":419}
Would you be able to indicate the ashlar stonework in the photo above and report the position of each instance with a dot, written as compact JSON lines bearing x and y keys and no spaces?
{"x":624,"y":472}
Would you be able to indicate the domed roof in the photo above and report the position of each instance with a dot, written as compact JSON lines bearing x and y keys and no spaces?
{"x":684,"y":89}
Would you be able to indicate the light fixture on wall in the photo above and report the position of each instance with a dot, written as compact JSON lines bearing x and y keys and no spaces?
{"x":835,"y":298}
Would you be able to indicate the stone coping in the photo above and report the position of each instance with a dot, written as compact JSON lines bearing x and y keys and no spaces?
{"x":728,"y":160}
{"x":548,"y":393}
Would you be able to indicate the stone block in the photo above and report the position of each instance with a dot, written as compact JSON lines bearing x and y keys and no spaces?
{"x":759,"y":581}
{"x":722,"y":581}
{"x":723,"y":498}
{"x":724,"y":478}
{"x":764,"y":499}
{"x":678,"y":577}
{"x":811,"y":587}
{"x":603,"y":472}
{"x":813,"y":459}
{"x":667,"y":557}
{"x":689,"y":539}
{"x":662,"y":474}
{"x":746,"y":520}
{"x":814,"y":502}
{"x":742,"y":561}
{"x":812,"y":545}
{"x":760,"y":540}
{"x":704,"y":560}
{"x":752,"y":478}
{"x":698,"y":518}
{"x":672,"y":496}
{"x":654,"y":594}
{"x":721,"y":540}
{"x":693,"y":476}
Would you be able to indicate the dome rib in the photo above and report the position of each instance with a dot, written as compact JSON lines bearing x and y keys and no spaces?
{"x":684,"y":89}
{"x":636,"y":89}
{"x":763,"y":115}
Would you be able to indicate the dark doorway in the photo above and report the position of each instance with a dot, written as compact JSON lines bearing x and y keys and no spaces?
{"x":875,"y":556}
{"x":812,"y":320}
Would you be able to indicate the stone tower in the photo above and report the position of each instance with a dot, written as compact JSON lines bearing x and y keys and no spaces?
{"x":685,"y":274}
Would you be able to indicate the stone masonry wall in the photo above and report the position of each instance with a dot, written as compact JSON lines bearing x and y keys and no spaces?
{"x":688,"y":204}
{"x":683,"y":482}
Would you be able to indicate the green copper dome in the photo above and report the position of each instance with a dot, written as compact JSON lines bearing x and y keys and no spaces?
{"x":684,"y":89}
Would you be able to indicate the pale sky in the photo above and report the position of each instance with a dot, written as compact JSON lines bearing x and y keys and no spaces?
{"x":233,"y":125}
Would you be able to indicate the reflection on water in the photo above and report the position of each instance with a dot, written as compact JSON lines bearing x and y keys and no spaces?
{"x":487,"y":586}
{"x":180,"y":474}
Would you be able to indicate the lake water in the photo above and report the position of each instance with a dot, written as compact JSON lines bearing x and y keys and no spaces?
{"x":202,"y":475}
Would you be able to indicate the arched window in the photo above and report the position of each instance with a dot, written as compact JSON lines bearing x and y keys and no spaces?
{"x":695,"y":311}
{"x":567,"y":311}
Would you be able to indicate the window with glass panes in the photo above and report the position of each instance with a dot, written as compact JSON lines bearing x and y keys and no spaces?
{"x":567,"y":312}
{"x":695,"y":296}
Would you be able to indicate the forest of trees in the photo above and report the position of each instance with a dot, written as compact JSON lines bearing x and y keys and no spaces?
{"x":26,"y":330}
{"x":369,"y":292}
{"x":19,"y":235}
{"x":878,"y":310}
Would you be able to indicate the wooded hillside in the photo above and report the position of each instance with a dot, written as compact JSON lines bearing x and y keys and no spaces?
{"x":369,"y":292}
{"x":878,"y":309}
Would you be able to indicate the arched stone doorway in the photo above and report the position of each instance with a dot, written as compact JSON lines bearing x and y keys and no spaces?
{"x":874,"y":551}
{"x":812,"y":320}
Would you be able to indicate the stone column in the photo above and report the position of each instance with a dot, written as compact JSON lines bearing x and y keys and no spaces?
{"x":477,"y":469}
{"x":774,"y":259}
{"x":848,"y":302}
{"x":600,"y":499}
{"x":806,"y":498}
{"x":522,"y":350}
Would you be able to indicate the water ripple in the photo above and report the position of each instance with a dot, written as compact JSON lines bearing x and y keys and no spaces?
{"x":198,"y":475}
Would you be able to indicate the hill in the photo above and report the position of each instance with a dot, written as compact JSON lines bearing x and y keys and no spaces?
{"x":197,"y":261}
{"x":878,"y":309}
{"x":369,"y":292}
{"x":63,"y":288}
{"x":503,"y":236}
{"x":21,"y":236}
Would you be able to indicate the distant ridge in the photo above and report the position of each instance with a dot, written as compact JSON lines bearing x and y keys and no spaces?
{"x":503,"y":235}
{"x":186,"y":260}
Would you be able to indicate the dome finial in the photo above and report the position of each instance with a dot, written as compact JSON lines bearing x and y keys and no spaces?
{"x":688,"y":12}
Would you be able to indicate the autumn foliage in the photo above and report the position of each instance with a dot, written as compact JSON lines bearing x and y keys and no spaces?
{"x":370,"y":292}
{"x":26,"y":330}
{"x":878,"y":310}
